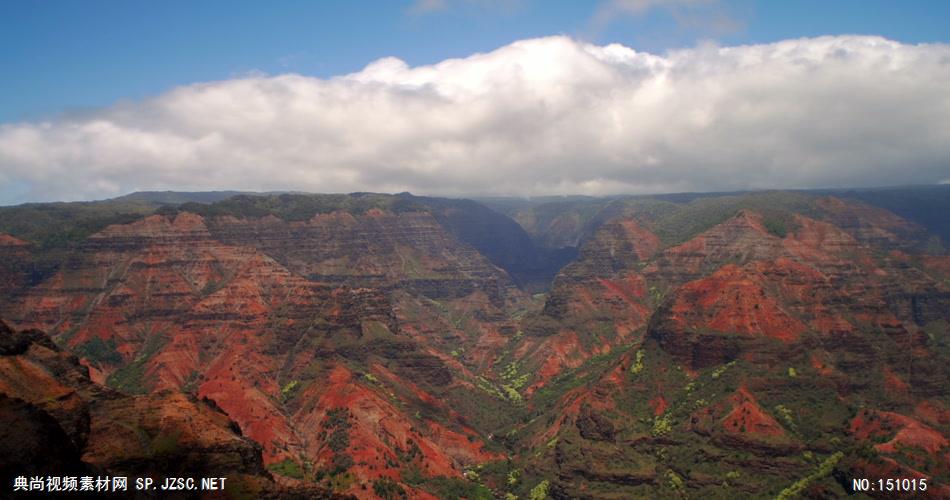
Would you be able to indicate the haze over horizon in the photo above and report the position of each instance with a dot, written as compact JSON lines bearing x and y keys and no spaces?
{"x":722,"y":107}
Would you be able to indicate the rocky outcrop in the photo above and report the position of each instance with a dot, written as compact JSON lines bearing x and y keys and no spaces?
{"x":594,"y":426}
{"x":907,"y":447}
{"x":816,"y":279}
{"x":15,"y":267}
{"x":60,"y":422}
{"x":761,"y":337}
{"x":596,"y":303}
{"x":368,"y":345}
{"x":739,"y":421}
{"x":162,"y":306}
{"x":498,"y":238}
{"x":740,"y":239}
{"x":33,"y":443}
{"x":376,"y":249}
{"x":713,"y":320}
{"x":872,"y":225}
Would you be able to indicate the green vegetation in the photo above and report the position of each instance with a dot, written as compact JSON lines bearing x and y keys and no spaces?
{"x":540,"y":492}
{"x":341,"y":462}
{"x":100,"y":351}
{"x":656,"y":295}
{"x":411,"y":454}
{"x":504,"y":392}
{"x":130,"y":378}
{"x":585,"y":374}
{"x":286,"y":467}
{"x":702,"y":213}
{"x":337,"y":417}
{"x":485,"y":385}
{"x":339,"y":440}
{"x":796,"y":489}
{"x":786,"y":415}
{"x":450,"y":487}
{"x":336,"y":427}
{"x":557,"y":223}
{"x":722,"y":369}
{"x":657,"y":383}
{"x":637,"y":365}
{"x":511,"y":394}
{"x":211,"y":286}
{"x":388,"y":489}
{"x":289,"y":389}
{"x":59,"y":225}
{"x":340,"y":481}
{"x":511,"y":376}
{"x":925,"y":205}
{"x":337,"y":424}
{"x":512,"y":382}
{"x":166,"y":443}
{"x":776,"y":225}
{"x":673,"y":480}
{"x":296,"y":207}
{"x":514,"y":476}
{"x":472,"y":475}
{"x":937,"y":332}
{"x":662,"y":425}
{"x":375,"y":329}
{"x":484,"y":411}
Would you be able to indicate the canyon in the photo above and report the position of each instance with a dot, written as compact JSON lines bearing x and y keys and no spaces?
{"x":395,"y":346}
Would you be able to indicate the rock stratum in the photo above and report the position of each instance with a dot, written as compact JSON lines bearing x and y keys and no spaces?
{"x":383,"y":346}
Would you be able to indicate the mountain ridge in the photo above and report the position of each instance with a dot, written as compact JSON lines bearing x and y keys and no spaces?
{"x":371,"y":345}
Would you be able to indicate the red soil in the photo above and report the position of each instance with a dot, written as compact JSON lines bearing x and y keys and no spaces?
{"x":9,"y":241}
{"x":905,"y":432}
{"x":734,"y":300}
{"x":646,"y":244}
{"x":748,"y":417}
{"x":659,"y":405}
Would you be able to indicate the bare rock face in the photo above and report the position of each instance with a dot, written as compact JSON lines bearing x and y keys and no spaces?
{"x":871,"y":225}
{"x":816,"y":279}
{"x":598,"y":302}
{"x":58,"y":421}
{"x":14,"y":266}
{"x":33,"y":442}
{"x":594,"y":426}
{"x":740,"y":239}
{"x":181,"y":434}
{"x":377,"y":249}
{"x":172,"y":304}
{"x":760,"y":346}
{"x":371,"y":352}
{"x":605,"y":278}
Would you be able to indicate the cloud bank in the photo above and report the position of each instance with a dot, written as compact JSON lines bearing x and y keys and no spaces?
{"x":540,"y":116}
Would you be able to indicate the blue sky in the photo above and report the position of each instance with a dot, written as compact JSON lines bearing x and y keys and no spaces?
{"x":67,"y":56}
{"x":470,"y":97}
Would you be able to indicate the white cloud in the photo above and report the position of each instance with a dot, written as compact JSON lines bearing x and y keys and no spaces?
{"x":540,"y":116}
